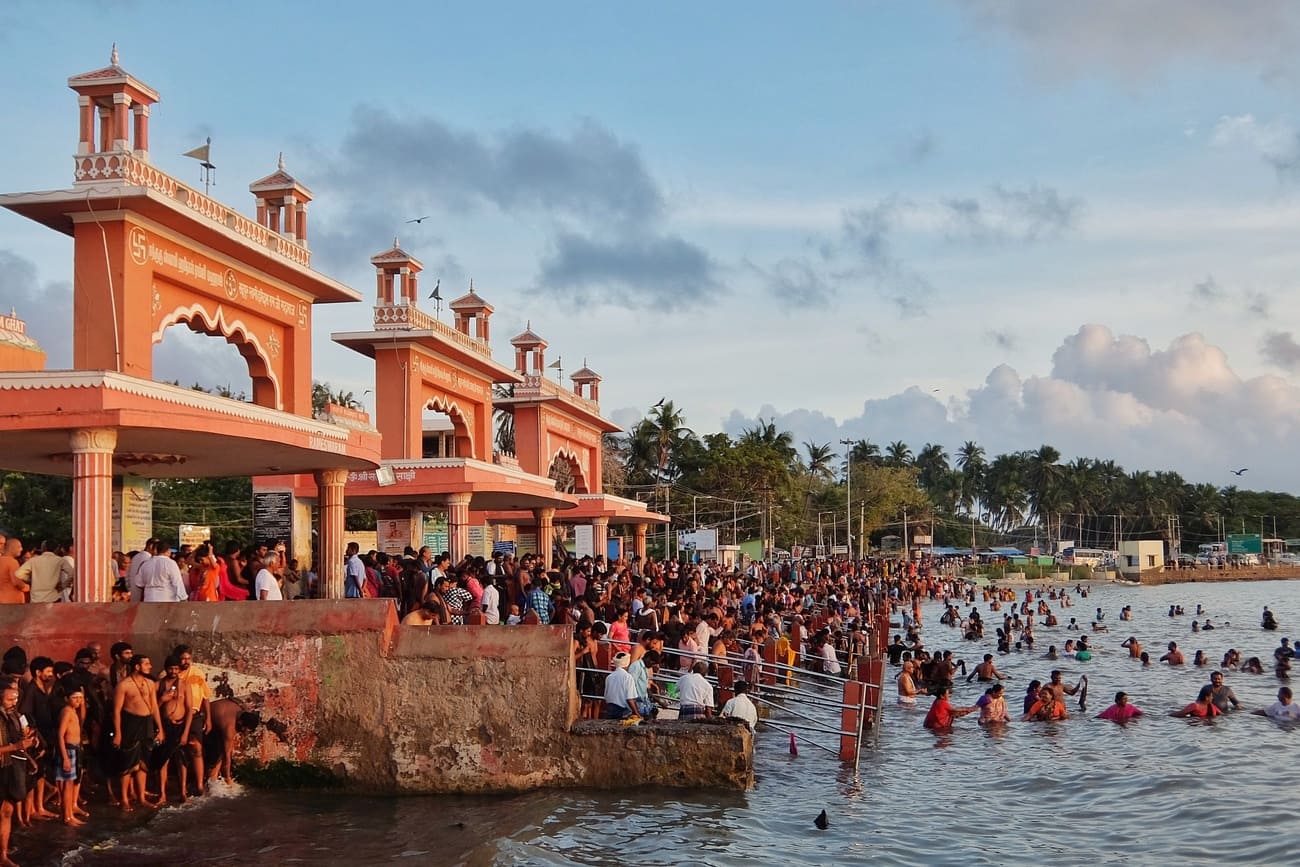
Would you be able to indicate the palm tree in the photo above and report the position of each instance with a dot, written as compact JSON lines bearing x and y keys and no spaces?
{"x":1004,"y":493}
{"x":897,"y":454}
{"x":1043,"y":479}
{"x":970,"y":460}
{"x":504,"y":420}
{"x":865,"y":452}
{"x":765,"y":434}
{"x":670,"y":433}
{"x":819,"y":460}
{"x":932,"y":466}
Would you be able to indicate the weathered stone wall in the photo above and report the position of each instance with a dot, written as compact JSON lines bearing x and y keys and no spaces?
{"x":342,"y":685}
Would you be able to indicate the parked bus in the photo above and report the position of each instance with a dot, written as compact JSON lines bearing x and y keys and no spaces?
{"x":1085,"y":557}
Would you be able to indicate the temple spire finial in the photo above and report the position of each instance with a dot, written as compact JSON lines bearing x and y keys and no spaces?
{"x":112,"y":57}
{"x":281,"y":166}
{"x":397,"y":244}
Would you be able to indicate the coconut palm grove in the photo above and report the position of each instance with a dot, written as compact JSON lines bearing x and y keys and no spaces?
{"x":763,"y":485}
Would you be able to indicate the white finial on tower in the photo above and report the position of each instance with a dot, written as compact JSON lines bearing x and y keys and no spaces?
{"x":281,"y":161}
{"x":397,"y":245}
{"x":112,"y":58}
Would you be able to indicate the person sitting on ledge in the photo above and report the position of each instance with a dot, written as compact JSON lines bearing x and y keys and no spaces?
{"x":695,"y":693}
{"x":620,"y":690}
{"x":741,"y":707}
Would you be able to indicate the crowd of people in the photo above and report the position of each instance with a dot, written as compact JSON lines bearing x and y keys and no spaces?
{"x":117,"y":730}
{"x":1044,"y":701}
{"x":159,"y":572}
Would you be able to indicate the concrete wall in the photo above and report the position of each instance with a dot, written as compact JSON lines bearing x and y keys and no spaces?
{"x":342,"y":685}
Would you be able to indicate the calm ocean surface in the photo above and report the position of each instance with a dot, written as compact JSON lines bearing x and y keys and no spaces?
{"x":1158,"y":791}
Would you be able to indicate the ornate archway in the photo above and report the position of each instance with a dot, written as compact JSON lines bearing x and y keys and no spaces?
{"x":460,"y":424}
{"x":566,"y":470}
{"x":257,"y":358}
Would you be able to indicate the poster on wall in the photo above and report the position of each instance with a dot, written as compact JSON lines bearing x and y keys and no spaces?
{"x":272,"y":517}
{"x":527,"y":543}
{"x":480,"y":541}
{"x":434,"y":532}
{"x":394,"y":534}
{"x":584,"y":541}
{"x":132,"y":513}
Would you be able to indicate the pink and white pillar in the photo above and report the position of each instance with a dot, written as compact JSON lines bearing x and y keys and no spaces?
{"x":458,"y":525}
{"x":92,"y":511}
{"x":330,"y":484}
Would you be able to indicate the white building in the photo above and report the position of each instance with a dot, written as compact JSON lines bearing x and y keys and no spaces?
{"x":1140,"y":556}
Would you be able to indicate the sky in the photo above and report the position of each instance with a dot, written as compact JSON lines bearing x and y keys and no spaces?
{"x":1006,"y":221}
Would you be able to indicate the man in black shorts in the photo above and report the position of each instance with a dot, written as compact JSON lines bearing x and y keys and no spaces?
{"x":13,"y":767}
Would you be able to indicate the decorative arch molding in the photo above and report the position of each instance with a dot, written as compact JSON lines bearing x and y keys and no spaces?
{"x":461,"y":419}
{"x":234,"y":332}
{"x":575,"y":467}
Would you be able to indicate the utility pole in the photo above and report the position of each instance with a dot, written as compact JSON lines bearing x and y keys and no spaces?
{"x":907,"y":553}
{"x":848,"y":495}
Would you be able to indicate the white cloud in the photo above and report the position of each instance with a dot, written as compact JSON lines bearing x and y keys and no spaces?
{"x":1275,"y":142}
{"x":1108,"y":396}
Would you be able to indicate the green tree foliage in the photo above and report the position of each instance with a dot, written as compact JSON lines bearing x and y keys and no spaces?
{"x":36,"y":508}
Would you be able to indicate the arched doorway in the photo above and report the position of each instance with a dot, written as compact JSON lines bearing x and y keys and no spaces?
{"x":190,"y":356}
{"x":443,"y":432}
{"x":567,"y":473}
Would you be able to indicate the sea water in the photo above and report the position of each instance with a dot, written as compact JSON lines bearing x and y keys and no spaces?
{"x":1157,"y":791}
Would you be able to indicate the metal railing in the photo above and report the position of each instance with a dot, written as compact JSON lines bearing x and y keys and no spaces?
{"x":802,"y":706}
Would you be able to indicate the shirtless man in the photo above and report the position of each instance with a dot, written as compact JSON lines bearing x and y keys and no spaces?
{"x":1174,"y":656}
{"x":177,"y":711}
{"x":67,"y":773}
{"x":229,"y":718}
{"x":1061,"y":690}
{"x":137,"y":726}
{"x":1134,"y":647}
{"x":907,"y":690}
{"x":429,"y":613}
{"x":986,"y":671}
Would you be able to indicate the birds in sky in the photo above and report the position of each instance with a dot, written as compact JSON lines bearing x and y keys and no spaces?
{"x":419,"y":219}
{"x":435,"y":294}
{"x":1239,"y":472}
{"x":660,"y":403}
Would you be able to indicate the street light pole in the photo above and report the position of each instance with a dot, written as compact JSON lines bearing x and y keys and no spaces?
{"x":848,"y":495}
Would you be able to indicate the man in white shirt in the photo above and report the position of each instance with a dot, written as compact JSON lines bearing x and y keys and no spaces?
{"x":266,"y":585}
{"x":133,"y":582}
{"x":706,"y":631}
{"x":695,"y":693}
{"x":741,"y":707}
{"x":160,"y":579}
{"x":1282,"y":710}
{"x":491,"y":603}
{"x":620,"y":689}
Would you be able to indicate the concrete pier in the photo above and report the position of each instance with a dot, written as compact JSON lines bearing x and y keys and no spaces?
{"x":393,"y":709}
